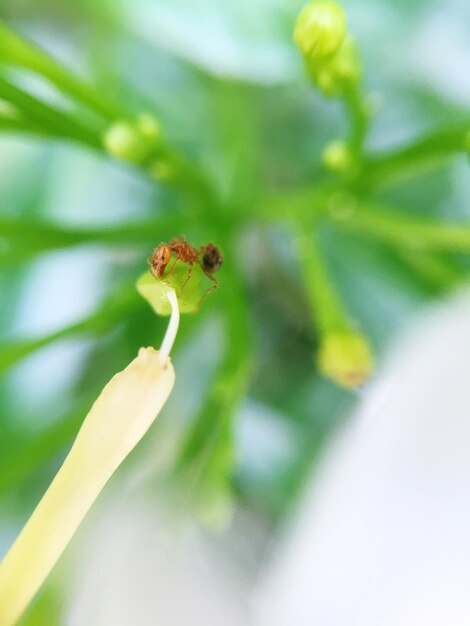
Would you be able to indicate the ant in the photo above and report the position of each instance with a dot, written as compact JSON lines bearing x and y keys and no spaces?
{"x":209,"y":258}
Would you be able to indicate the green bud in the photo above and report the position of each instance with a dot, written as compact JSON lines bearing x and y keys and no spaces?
{"x":337,"y":157}
{"x":320,"y":29}
{"x":346,"y":358}
{"x":133,"y":142}
{"x":123,"y":141}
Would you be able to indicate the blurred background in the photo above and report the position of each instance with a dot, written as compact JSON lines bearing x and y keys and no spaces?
{"x":222,"y":475}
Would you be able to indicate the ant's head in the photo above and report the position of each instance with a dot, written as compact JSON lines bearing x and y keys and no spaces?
{"x":160,"y":259}
{"x":212,"y":257}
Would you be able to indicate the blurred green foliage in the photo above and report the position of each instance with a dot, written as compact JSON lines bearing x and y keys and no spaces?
{"x":236,"y":158}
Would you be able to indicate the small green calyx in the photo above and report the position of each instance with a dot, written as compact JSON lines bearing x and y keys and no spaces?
{"x":320,"y":29}
{"x":340,"y":73}
{"x":346,"y":358}
{"x":189,"y":293}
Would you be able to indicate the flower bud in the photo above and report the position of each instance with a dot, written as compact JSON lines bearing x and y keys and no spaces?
{"x":124,"y":142}
{"x":337,"y":157}
{"x":346,"y":358}
{"x":320,"y":29}
{"x":133,"y":142}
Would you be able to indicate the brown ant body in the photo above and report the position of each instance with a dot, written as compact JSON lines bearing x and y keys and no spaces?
{"x":209,"y":258}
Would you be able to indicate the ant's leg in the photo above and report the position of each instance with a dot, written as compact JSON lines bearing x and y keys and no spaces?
{"x":173,"y":266}
{"x":210,"y":276}
{"x":189,"y":276}
{"x":209,"y":289}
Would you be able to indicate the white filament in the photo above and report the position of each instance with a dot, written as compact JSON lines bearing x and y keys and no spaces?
{"x":172,"y":329}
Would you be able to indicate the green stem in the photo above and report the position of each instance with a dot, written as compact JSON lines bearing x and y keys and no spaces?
{"x":16,"y":50}
{"x":99,"y":322}
{"x":424,"y":153}
{"x":414,"y":233}
{"x":357,"y":110}
{"x":44,"y":235}
{"x":440,"y":273}
{"x":328,"y":311}
{"x":17,"y":123}
{"x":46,"y":117}
{"x":300,"y":203}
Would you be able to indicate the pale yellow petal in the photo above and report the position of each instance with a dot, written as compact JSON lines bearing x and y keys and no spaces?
{"x":117,"y":421}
